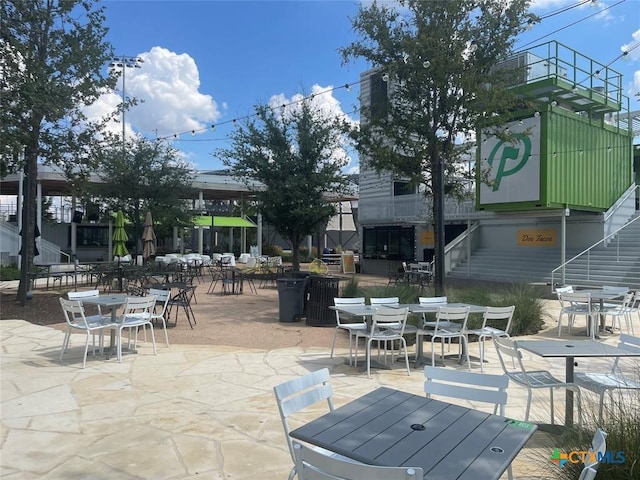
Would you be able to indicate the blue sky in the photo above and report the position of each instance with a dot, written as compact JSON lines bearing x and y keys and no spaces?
{"x":209,"y":62}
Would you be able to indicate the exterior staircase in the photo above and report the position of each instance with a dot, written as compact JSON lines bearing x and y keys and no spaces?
{"x":617,"y":263}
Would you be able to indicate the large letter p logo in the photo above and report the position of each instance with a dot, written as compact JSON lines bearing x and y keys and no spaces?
{"x":510,"y":153}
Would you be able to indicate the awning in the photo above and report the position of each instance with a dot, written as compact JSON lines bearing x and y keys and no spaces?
{"x":208,"y":221}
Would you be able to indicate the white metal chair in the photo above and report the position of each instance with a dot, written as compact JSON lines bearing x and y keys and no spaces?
{"x":391,"y":302}
{"x":493,"y":315}
{"x":136,"y":313}
{"x":314,"y":465}
{"x":618,"y":312}
{"x":601,"y":383}
{"x":387,"y":326}
{"x":99,"y":317}
{"x":531,"y":379}
{"x":76,"y":320}
{"x":451,"y":322}
{"x":159,"y":310}
{"x":299,"y":393}
{"x":353,"y":328}
{"x":599,"y":446}
{"x":576,"y":303}
{"x":474,"y":387}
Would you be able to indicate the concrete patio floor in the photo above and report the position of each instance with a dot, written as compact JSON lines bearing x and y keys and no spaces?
{"x":205,"y":411}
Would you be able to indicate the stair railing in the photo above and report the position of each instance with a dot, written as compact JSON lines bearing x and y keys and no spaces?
{"x":458,"y":250}
{"x":605,"y":241}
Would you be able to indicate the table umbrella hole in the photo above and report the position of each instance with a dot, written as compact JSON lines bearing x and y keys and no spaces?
{"x":497,"y":449}
{"x":417,"y":426}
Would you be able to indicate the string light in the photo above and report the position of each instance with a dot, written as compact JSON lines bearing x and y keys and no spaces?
{"x":346,"y":86}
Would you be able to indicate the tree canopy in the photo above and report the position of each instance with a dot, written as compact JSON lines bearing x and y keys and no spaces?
{"x":145,"y":176}
{"x":53,"y":57}
{"x":291,"y":158}
{"x":438,"y":61}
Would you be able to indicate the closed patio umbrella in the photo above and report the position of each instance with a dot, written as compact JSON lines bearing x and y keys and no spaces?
{"x":148,"y":237}
{"x":120,"y":237}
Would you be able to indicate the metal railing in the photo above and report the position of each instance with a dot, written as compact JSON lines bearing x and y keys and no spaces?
{"x":458,"y":250}
{"x":587,"y":252}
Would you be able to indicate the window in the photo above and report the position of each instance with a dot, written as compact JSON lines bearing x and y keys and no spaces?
{"x":92,"y":236}
{"x":391,"y":243}
{"x":378,"y":100}
{"x":403,"y":188}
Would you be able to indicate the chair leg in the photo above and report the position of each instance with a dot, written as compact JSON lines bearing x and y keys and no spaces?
{"x":526,"y":413}
{"x":86,"y":349}
{"x":406,"y":356}
{"x":333,"y":344}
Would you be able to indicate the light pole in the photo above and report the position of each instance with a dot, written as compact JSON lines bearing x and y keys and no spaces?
{"x":123,"y":62}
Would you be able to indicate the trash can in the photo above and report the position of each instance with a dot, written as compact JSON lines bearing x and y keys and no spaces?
{"x":322,"y":291}
{"x":291,"y":293}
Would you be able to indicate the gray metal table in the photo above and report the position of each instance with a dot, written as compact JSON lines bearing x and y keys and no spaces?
{"x":112,"y":301}
{"x":570,"y":349}
{"x":367,"y":311}
{"x":388,"y":427}
{"x":601,"y":295}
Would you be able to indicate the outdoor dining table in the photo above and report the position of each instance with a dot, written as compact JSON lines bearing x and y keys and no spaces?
{"x":367,"y":311}
{"x":600,"y":295}
{"x":111,"y":301}
{"x":570,"y":349}
{"x":388,"y":427}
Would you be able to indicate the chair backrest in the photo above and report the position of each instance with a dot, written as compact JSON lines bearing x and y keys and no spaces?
{"x":431,"y":300}
{"x":345,"y":301}
{"x":565,"y":289}
{"x":458,"y":315}
{"x":575,"y":298}
{"x":598,"y":445}
{"x":381,"y":301}
{"x":475,"y":387}
{"x":73,"y":312}
{"x":315,"y":465}
{"x":506,"y":347}
{"x":505,"y":314}
{"x":390,"y":316}
{"x":84,"y":294}
{"x":162,"y":298}
{"x":300,"y":393}
{"x":139,"y":307}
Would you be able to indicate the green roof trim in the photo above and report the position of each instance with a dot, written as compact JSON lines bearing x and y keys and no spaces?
{"x":208,"y":221}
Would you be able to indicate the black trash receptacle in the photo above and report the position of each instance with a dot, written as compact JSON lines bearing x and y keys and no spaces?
{"x":291,"y":296}
{"x":322,"y":291}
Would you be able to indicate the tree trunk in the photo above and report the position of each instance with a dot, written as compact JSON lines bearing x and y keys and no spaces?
{"x":28,"y":223}
{"x":437,"y":167}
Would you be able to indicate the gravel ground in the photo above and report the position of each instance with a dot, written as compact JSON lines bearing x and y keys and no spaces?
{"x":248,"y":320}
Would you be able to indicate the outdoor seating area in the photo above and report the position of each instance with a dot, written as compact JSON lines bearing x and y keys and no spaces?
{"x":393,"y":375}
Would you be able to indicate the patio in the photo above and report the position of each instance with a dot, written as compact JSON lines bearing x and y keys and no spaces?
{"x":198,"y":407}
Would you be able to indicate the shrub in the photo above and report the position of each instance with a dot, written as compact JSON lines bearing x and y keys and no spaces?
{"x":621,"y":423}
{"x":9,"y":272}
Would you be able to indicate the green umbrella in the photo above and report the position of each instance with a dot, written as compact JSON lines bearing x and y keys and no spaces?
{"x":120,"y":237}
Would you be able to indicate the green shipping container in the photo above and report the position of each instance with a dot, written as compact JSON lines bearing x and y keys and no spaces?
{"x":554,"y":159}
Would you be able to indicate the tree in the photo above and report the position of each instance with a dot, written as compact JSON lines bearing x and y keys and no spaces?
{"x":53,"y":52}
{"x":149,"y":176}
{"x":438,"y":61}
{"x":290,"y":158}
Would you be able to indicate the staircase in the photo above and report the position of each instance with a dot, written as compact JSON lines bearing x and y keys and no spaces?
{"x":512,"y":266}
{"x":618,"y":263}
{"x":10,"y":245}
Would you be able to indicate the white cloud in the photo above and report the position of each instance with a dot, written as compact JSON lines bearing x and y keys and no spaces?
{"x":167,"y":88}
{"x":323,"y":100}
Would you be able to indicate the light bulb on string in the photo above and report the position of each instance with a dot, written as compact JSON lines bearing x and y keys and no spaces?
{"x":213,"y":127}
{"x":426,"y":64}
{"x":347,"y":87}
{"x":554,"y":104}
{"x":536,"y":114}
{"x":193,"y":133}
{"x":385,"y":77}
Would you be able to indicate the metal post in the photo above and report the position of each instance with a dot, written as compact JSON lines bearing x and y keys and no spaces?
{"x":438,"y":179}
